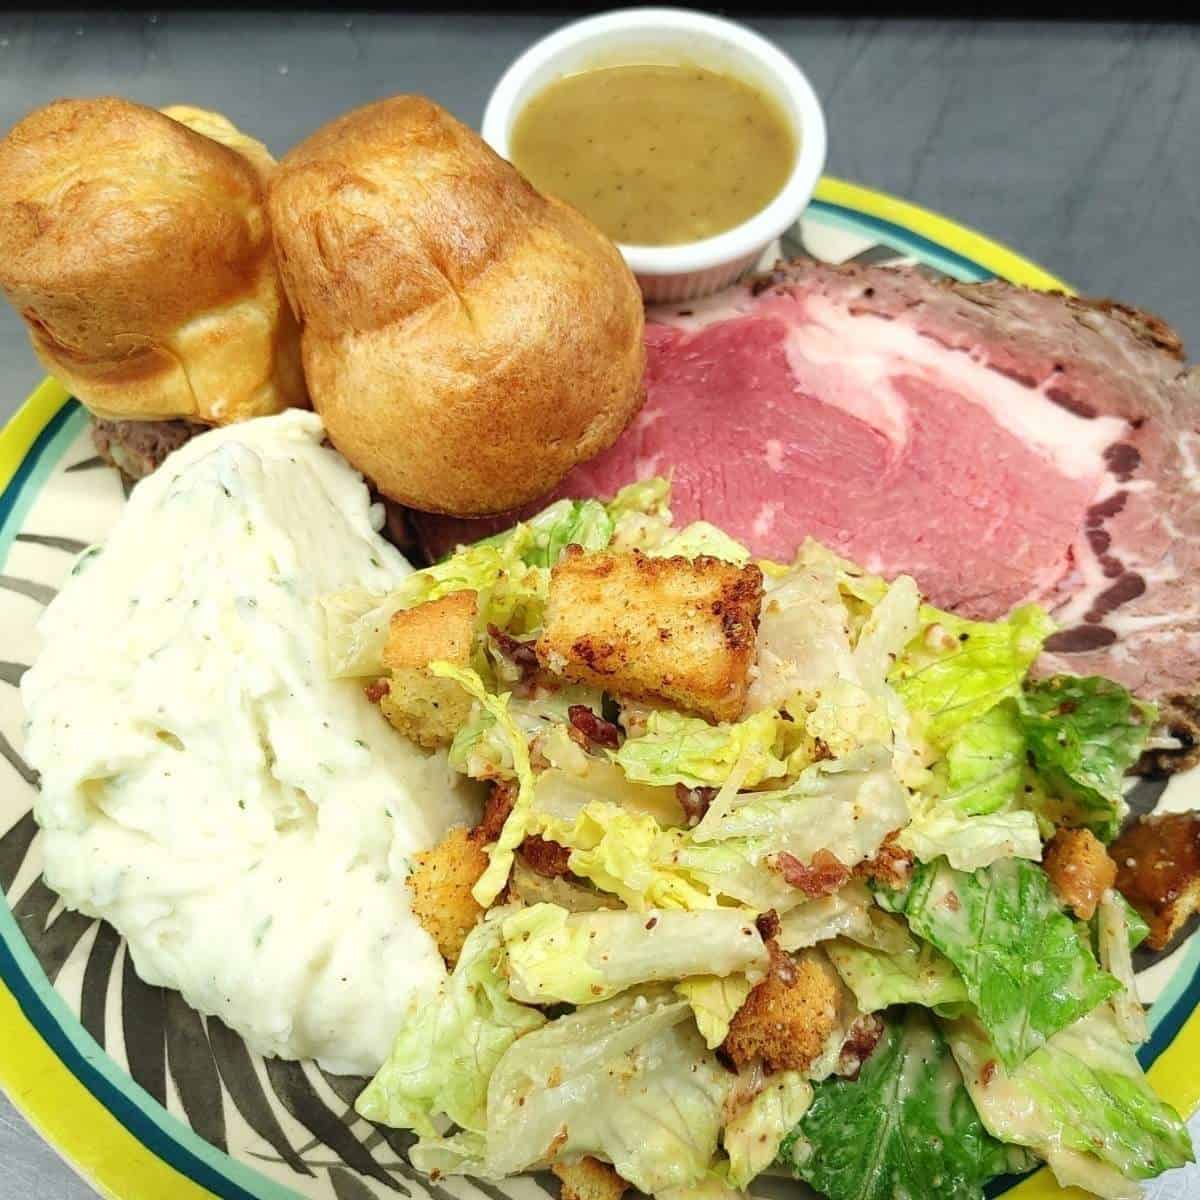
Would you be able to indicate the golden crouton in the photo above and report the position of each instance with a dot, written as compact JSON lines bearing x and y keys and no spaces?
{"x":1079,"y":869}
{"x":678,"y":630}
{"x":1158,"y":871}
{"x":589,"y":1179}
{"x":440,"y":889}
{"x":787,"y":1019}
{"x":424,"y":708}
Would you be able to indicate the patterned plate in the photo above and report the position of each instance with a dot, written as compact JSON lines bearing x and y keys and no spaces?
{"x":148,"y":1099}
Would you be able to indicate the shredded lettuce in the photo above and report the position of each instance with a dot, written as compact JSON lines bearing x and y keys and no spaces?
{"x":905,"y":1125}
{"x":1080,"y":1101}
{"x":581,"y":958}
{"x":641,"y":515}
{"x":626,"y":853}
{"x":714,"y":1000}
{"x":542,"y":538}
{"x":511,"y":594}
{"x":445,"y":1052}
{"x":516,"y":827}
{"x":755,"y":1132}
{"x":629,"y":1081}
{"x":679,"y":749}
{"x":1025,"y":967}
{"x":701,"y":538}
{"x":1083,"y":735}
{"x":955,"y":670}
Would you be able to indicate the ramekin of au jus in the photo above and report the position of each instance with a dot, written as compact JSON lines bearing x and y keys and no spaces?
{"x":692,"y":141}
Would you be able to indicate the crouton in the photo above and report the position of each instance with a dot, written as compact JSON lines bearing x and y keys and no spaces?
{"x":787,"y":1019}
{"x":1079,"y":869}
{"x":677,"y":630}
{"x":424,"y":708}
{"x":440,"y":889}
{"x":589,"y":1179}
{"x":1158,"y":871}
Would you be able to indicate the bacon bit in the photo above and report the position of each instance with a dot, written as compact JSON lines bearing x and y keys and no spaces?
{"x":376,"y":690}
{"x":988,"y":1072}
{"x":499,"y":804}
{"x":826,"y":873}
{"x":862,"y":1039}
{"x":782,"y":966}
{"x":694,"y":801}
{"x":519,"y":653}
{"x":596,"y":729}
{"x":549,"y":859}
{"x":821,"y":750}
{"x":768,"y":925}
{"x":650,"y":924}
{"x":891,"y":866}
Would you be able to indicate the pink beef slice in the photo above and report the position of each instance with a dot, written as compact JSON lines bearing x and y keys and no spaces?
{"x":998,"y":444}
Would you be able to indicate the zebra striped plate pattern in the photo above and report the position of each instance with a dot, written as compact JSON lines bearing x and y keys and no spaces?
{"x":149,"y":1099}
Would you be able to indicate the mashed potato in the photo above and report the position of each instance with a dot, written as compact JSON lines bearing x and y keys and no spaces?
{"x":246,"y":822}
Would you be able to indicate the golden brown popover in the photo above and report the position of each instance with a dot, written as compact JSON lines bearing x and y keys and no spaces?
{"x":136,"y":246}
{"x":466,"y":340}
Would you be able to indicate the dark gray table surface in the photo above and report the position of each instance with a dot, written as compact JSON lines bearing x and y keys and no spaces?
{"x":1077,"y":144}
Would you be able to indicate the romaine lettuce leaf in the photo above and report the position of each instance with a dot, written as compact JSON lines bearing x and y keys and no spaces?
{"x":714,"y":1000}
{"x":563,"y":795}
{"x":1115,"y":942}
{"x":845,"y":913}
{"x":679,"y":749}
{"x":845,"y":805}
{"x":629,"y":1080}
{"x":972,"y":842}
{"x":985,"y":763}
{"x":803,"y":640}
{"x":1083,"y":735}
{"x":581,"y":958}
{"x":1080,"y":1101}
{"x":906,"y":1125}
{"x":955,"y":670}
{"x":516,"y":827}
{"x":968,"y":811}
{"x":1026,"y":969}
{"x":755,"y":1132}
{"x":913,"y":973}
{"x":444,"y":1054}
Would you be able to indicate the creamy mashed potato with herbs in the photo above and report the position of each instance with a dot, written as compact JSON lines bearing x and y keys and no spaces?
{"x":244,"y":820}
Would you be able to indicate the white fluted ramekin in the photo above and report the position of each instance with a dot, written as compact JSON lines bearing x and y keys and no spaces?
{"x":670,"y":35}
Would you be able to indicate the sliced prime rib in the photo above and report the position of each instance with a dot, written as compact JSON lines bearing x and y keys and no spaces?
{"x":136,"y":448}
{"x":1000,"y":445}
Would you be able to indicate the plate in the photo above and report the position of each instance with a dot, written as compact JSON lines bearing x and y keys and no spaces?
{"x":146,"y":1098}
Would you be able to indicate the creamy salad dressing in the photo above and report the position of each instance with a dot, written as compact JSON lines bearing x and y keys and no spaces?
{"x":244,"y":820}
